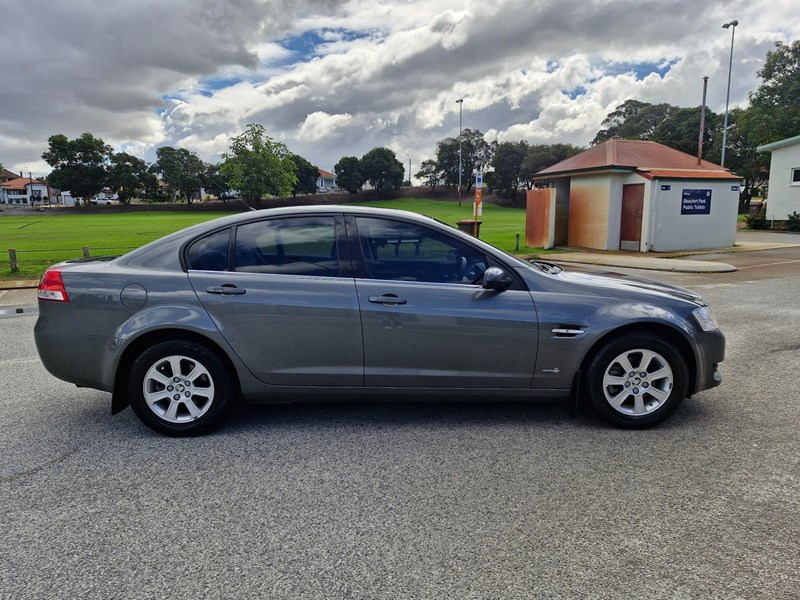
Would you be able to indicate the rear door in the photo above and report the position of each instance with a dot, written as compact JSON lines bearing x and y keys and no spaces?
{"x":427,"y":322}
{"x":282,"y":293}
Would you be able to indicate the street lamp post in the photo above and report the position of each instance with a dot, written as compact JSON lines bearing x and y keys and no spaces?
{"x":460,"y":102}
{"x":732,"y":25}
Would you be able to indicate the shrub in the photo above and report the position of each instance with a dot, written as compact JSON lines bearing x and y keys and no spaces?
{"x":758,"y":220}
{"x":793,"y":222}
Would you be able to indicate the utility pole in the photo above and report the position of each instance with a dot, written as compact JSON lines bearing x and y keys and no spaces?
{"x":702,"y":121}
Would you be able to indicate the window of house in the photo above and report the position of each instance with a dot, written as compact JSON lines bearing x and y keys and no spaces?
{"x":795,"y":176}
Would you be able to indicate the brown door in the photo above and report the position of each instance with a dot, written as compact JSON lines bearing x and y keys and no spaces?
{"x":630,"y":234}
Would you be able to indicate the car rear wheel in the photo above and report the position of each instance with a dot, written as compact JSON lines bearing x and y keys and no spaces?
{"x":180,"y":388}
{"x":637,"y":381}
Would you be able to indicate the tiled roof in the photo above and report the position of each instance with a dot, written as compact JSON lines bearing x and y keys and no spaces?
{"x":20,"y":183}
{"x":325,"y":174}
{"x":6,"y":174}
{"x":687,"y":174}
{"x":632,"y":154}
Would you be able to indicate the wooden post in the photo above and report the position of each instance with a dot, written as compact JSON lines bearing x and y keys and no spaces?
{"x":86,"y":252}
{"x":12,"y":256}
{"x":516,"y":245}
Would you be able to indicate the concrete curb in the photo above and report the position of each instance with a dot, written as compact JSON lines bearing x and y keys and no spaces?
{"x":22,"y":284}
{"x":638,"y":262}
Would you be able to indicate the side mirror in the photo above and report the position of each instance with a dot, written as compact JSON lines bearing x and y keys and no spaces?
{"x":494,"y":278}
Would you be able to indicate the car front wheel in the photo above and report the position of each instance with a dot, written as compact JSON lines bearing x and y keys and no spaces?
{"x":637,"y":381}
{"x":180,"y":388}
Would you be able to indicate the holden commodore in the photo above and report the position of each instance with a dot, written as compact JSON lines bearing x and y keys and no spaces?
{"x":326,"y":302}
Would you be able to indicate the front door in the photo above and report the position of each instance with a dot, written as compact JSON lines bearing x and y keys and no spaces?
{"x":426,"y":320}
{"x":630,"y":234}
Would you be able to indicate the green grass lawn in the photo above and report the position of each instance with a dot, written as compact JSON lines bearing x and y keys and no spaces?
{"x":42,"y":239}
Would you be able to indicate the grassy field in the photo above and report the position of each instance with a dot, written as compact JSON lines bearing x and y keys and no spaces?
{"x":42,"y":239}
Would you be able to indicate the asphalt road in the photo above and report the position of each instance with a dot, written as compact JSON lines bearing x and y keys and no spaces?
{"x":403,"y":501}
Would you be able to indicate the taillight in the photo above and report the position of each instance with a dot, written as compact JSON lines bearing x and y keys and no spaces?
{"x":51,"y":287}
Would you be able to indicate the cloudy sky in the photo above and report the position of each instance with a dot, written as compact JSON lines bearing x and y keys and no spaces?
{"x":331,"y":78}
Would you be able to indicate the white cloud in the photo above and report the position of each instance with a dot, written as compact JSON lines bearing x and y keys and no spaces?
{"x":195,"y":72}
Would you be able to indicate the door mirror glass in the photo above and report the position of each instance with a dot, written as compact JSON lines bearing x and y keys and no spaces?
{"x":494,"y":278}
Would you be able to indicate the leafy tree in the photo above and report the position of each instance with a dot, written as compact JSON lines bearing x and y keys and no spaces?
{"x":214,"y":182}
{"x":429,"y":173}
{"x":381,"y":168}
{"x":307,"y":176}
{"x":257,"y":165}
{"x":476,"y":155}
{"x":127,"y":175}
{"x":779,"y":92}
{"x":746,"y":130}
{"x":541,"y":156}
{"x":447,"y":160}
{"x":181,"y":170}
{"x":348,"y":174}
{"x":507,"y":165}
{"x":681,"y":129}
{"x":633,"y":120}
{"x":78,"y":165}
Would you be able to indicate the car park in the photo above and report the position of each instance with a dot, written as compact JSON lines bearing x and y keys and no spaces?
{"x":328,"y":302}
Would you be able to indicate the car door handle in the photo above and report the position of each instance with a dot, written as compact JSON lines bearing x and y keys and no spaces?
{"x":226,"y":290}
{"x":388,"y":299}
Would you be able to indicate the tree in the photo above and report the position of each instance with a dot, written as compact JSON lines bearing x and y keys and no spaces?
{"x":507,"y":165}
{"x":429,"y":173}
{"x":348,"y":174}
{"x":774,"y":111}
{"x":214,"y":182}
{"x":127,"y":175}
{"x":633,"y":120}
{"x":307,"y":176}
{"x":476,"y":155}
{"x":181,"y":170}
{"x":541,"y":156}
{"x":447,"y":160}
{"x":257,"y":165}
{"x":681,"y":130}
{"x":78,"y":165}
{"x":381,"y":168}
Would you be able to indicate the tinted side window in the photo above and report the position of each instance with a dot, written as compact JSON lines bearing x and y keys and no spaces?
{"x":410,"y":252}
{"x":210,"y":253}
{"x":292,"y":246}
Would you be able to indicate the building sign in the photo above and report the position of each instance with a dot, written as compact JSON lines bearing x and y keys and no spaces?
{"x":666,"y":188}
{"x":696,"y":202}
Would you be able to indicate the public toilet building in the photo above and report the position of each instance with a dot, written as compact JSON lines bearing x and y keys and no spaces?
{"x":633,"y":195}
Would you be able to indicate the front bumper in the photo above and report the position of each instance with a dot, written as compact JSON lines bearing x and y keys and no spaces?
{"x":711,"y":352}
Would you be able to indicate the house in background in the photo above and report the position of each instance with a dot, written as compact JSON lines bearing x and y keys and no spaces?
{"x":634,"y":195}
{"x":326,"y":181}
{"x":24,"y":190}
{"x":784,"y":178}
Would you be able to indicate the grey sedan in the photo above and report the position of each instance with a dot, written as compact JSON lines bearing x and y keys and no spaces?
{"x":329,"y":302}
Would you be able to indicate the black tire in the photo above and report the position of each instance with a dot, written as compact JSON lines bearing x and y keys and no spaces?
{"x":180,"y":388}
{"x":636,"y":381}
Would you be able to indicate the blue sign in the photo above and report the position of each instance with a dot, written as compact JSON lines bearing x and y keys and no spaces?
{"x":666,"y":188}
{"x":696,"y":202}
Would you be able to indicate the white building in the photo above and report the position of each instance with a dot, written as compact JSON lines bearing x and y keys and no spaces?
{"x":24,"y":190}
{"x":784,"y":178}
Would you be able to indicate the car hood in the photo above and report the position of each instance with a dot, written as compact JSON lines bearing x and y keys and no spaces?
{"x":618,"y":283}
{"x":624,"y":282}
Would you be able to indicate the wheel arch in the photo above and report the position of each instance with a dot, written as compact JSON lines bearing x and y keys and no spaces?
{"x":649,"y":328}
{"x":119,"y":398}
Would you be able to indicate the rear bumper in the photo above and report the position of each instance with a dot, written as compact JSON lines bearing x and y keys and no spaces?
{"x":68,"y":353}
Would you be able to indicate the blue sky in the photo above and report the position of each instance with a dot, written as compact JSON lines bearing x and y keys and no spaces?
{"x":331,"y":78}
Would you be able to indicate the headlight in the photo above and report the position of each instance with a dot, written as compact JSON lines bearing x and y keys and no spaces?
{"x":705,"y":318}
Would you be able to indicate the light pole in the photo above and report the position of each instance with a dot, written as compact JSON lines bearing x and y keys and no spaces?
{"x":460,"y":102}
{"x":732,"y":25}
